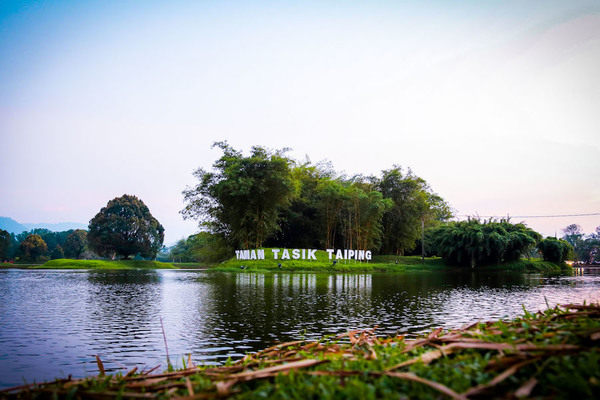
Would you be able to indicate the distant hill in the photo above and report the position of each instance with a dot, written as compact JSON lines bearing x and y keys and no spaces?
{"x":58,"y":227}
{"x":10,"y":225}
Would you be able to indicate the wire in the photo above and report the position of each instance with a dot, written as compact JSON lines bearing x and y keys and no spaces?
{"x":530,"y":216}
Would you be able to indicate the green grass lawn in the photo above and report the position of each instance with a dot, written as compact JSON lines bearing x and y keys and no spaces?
{"x":104,"y":264}
{"x":323,"y":263}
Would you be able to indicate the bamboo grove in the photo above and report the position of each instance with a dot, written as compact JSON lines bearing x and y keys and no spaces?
{"x":269,"y":199}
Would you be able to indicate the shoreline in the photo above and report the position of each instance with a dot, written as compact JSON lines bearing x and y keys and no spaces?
{"x":384,"y":263}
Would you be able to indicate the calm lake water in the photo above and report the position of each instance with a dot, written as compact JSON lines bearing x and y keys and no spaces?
{"x":54,"y":323}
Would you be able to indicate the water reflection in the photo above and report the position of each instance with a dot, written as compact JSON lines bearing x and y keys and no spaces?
{"x":121,"y":308}
{"x":53,"y":323}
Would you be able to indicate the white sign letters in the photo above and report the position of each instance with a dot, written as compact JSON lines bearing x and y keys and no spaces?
{"x":304,"y":254}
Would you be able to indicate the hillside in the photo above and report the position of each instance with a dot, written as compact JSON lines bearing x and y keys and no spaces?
{"x":12,"y":226}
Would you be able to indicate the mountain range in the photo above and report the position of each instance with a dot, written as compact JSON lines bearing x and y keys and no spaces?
{"x":12,"y":226}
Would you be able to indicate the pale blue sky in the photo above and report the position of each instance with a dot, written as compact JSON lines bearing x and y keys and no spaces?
{"x":496,"y":104}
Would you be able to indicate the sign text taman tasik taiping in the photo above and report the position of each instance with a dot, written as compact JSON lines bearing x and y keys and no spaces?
{"x":304,"y":254}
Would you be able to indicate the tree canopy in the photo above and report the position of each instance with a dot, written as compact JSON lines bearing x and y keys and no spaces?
{"x":473,"y":243}
{"x":586,"y":248}
{"x":269,"y":199}
{"x":125,"y":227}
{"x":555,"y":250}
{"x":5,"y":243}
{"x":243,"y":196}
{"x":33,"y":247}
{"x":75,"y":243}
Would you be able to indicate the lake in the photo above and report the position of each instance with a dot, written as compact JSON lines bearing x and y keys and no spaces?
{"x":53,"y":323}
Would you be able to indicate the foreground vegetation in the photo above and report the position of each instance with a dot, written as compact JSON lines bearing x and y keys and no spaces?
{"x":105,"y":264}
{"x":550,"y":354}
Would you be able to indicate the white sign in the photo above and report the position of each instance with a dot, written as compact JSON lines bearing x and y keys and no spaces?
{"x":304,"y":254}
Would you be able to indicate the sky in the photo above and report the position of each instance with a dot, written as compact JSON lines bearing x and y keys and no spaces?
{"x":495,"y":104}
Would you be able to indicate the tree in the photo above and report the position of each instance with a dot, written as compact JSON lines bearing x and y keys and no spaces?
{"x":33,"y":247}
{"x":180,"y":252}
{"x":588,"y":249}
{"x":57,"y":253}
{"x":208,"y":248}
{"x":414,"y":204}
{"x":5,"y":244}
{"x":555,"y":250}
{"x":301,"y":223}
{"x":474,"y":243}
{"x":75,"y":243}
{"x":243,"y":197}
{"x":125,"y":227}
{"x":573,"y":234}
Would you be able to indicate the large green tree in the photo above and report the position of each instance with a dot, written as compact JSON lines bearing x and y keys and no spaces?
{"x":555,"y":250}
{"x":414,"y":205}
{"x":125,"y":227}
{"x":75,"y":243}
{"x":242,"y":197}
{"x":300,"y":224}
{"x":33,"y":247}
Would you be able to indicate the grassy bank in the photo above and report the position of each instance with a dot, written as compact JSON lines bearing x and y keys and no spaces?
{"x":323,"y":263}
{"x":379,"y":263}
{"x":551,"y":354}
{"x":104,"y":264}
{"x":536,"y":266}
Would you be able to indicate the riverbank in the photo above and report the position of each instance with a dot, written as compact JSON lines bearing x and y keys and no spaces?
{"x":379,"y":263}
{"x":104,"y":264}
{"x":324,"y":263}
{"x":550,"y":354}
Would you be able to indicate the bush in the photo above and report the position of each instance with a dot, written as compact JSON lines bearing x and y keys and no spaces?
{"x":555,"y":250}
{"x":474,"y":243}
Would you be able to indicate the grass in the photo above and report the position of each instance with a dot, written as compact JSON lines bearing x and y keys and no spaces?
{"x":104,"y":264}
{"x":550,"y":354}
{"x":536,"y":265}
{"x":189,"y":265}
{"x":323,"y":263}
{"x":380,"y":263}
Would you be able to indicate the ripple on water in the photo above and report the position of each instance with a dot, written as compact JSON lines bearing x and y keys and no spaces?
{"x":60,"y":320}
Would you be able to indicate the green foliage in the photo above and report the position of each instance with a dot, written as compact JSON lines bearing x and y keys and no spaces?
{"x":75,"y":243}
{"x":268,"y":199}
{"x":105,"y":264}
{"x":203,"y":247}
{"x":555,"y":250}
{"x":413,"y":204}
{"x":57,"y":253}
{"x":474,"y":243}
{"x":324,"y":264}
{"x":208,"y":248}
{"x":5,"y":244}
{"x":125,"y":227}
{"x":586,"y":249}
{"x":243,"y":197}
{"x":573,"y":234}
{"x":33,"y":247}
